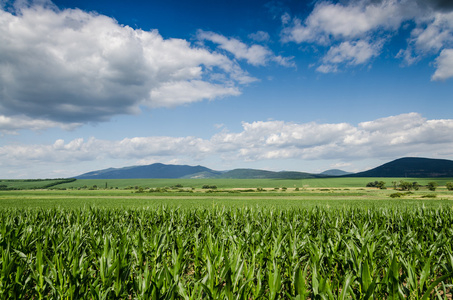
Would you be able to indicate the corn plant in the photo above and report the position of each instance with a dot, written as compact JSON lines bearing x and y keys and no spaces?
{"x":220,"y":253}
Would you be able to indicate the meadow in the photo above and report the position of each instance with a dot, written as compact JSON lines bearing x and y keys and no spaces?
{"x":244,"y":239}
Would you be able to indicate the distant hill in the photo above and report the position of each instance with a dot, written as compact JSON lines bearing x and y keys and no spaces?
{"x":151,"y":171}
{"x":403,"y":167}
{"x":261,"y":174}
{"x":411,"y":167}
{"x":335,"y":172}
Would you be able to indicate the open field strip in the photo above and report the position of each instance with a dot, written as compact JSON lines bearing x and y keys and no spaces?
{"x":304,"y":198}
{"x":247,"y":183}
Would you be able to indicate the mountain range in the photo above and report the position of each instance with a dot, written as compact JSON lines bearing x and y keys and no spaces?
{"x":403,"y":167}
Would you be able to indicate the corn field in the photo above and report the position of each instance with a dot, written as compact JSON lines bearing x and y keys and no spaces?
{"x":221,"y":253}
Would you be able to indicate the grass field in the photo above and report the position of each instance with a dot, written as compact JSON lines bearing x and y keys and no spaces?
{"x":349,"y":192}
{"x":220,"y":183}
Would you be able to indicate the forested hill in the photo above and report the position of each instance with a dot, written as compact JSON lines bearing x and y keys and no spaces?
{"x":403,"y":167}
{"x":151,"y":171}
{"x":411,"y":167}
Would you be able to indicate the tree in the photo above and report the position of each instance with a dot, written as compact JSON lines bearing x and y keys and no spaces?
{"x":381,"y":185}
{"x":206,"y":186}
{"x":405,"y":186}
{"x":432,"y":186}
{"x":449,"y":186}
{"x":377,"y":184}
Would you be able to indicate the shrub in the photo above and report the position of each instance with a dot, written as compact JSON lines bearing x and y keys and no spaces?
{"x":429,"y":196}
{"x":405,"y":186}
{"x":432,"y":186}
{"x":396,"y":195}
{"x":376,"y":184}
{"x":449,"y":186}
{"x":210,"y":187}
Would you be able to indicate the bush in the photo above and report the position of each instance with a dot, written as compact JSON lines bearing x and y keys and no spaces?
{"x":209,"y":187}
{"x":405,"y":186}
{"x":429,"y":196}
{"x":449,"y":186}
{"x":396,"y":195}
{"x":376,"y":184}
{"x":432,"y":186}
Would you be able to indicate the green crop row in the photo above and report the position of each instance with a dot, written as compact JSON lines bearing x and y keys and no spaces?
{"x":170,"y":253}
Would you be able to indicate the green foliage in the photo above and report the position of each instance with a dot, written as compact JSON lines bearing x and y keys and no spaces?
{"x":429,"y":196}
{"x":396,"y":195}
{"x":449,"y":186}
{"x":432,"y":185}
{"x":165,"y":253}
{"x":376,"y":184}
{"x":211,"y":187}
{"x":405,"y":185}
{"x":21,"y":184}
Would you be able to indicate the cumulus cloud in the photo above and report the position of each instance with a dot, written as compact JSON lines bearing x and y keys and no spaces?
{"x":332,"y":21}
{"x":352,"y":53}
{"x":70,"y":66}
{"x":355,"y":31}
{"x":256,"y":55}
{"x":11,"y":125}
{"x":444,"y":65}
{"x":391,"y":137}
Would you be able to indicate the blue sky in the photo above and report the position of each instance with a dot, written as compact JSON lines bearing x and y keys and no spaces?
{"x":277,"y":85}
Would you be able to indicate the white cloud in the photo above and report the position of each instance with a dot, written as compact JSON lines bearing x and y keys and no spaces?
{"x":389,"y":124}
{"x":260,"y":36}
{"x":434,"y":34}
{"x":355,"y":31}
{"x":352,"y":53}
{"x":340,"y":165}
{"x":286,"y":18}
{"x":339,"y":21}
{"x":182,"y":92}
{"x":444,"y":65}
{"x":386,"y":138}
{"x":70,"y":66}
{"x":11,"y":125}
{"x":255,"y":55}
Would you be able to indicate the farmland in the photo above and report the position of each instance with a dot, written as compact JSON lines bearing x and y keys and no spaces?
{"x":287,"y":239}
